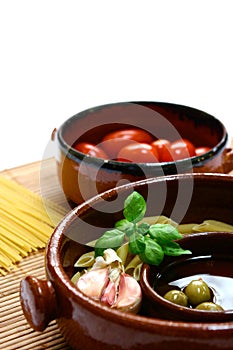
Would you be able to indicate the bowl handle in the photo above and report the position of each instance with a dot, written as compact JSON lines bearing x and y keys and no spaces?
{"x":38,"y":302}
{"x":228,"y":160}
{"x":53,"y":134}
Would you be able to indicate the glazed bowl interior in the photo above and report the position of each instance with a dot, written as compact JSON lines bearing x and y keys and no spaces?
{"x":162,"y":120}
{"x":83,"y":177}
{"x":211,"y":261}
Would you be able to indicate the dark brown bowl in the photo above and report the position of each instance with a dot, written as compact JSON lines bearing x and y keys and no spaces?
{"x":83,"y":177}
{"x":211,"y":259}
{"x":87,"y":324}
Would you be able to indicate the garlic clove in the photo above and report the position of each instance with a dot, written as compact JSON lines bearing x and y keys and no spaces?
{"x":109,"y":295}
{"x":110,"y":285}
{"x":93,"y":282}
{"x":129,"y":294}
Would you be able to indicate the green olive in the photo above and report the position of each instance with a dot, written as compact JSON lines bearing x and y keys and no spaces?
{"x":208,"y":306}
{"x":176,"y":297}
{"x":197,"y":292}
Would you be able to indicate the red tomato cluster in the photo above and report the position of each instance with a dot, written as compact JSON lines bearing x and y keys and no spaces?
{"x":138,"y":146}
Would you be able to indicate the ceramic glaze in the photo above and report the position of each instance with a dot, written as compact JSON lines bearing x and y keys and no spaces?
{"x":83,"y":177}
{"x":87,"y":324}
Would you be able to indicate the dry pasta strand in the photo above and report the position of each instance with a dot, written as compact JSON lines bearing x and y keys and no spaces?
{"x":213,"y":225}
{"x":9,"y":242}
{"x":86,"y":260}
{"x":134,"y":266}
{"x":160,"y":219}
{"x":26,"y":223}
{"x":123,"y":252}
{"x":186,"y":228}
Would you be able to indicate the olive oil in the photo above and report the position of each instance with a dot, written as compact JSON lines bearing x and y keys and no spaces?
{"x":217,"y":272}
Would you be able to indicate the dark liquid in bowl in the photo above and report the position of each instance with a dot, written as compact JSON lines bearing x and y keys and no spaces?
{"x":217,"y":272}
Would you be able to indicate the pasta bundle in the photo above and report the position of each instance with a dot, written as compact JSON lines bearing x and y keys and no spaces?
{"x":26,"y":223}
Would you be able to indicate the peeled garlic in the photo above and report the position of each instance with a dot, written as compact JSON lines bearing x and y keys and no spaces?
{"x":93,"y":282}
{"x":107,"y":283}
{"x":129,"y":295}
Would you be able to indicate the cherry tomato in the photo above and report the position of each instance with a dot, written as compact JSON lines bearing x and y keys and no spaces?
{"x":90,"y":149}
{"x":138,"y":153}
{"x":165,"y":154}
{"x":179,"y":149}
{"x":182,"y":149}
{"x":160,"y":145}
{"x":114,"y":141}
{"x":201,"y":150}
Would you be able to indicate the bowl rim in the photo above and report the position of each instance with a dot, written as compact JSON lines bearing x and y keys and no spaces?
{"x":58,"y":276}
{"x":74,"y":154}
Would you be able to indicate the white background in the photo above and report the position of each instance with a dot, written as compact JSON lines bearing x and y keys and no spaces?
{"x":60,"y":57}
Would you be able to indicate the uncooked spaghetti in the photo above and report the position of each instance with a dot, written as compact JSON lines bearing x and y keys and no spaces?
{"x":26,"y":223}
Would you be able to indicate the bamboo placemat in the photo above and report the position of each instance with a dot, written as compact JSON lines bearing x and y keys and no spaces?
{"x":15,"y":333}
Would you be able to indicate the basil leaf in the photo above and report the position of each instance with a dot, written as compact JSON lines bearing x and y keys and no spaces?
{"x":110,"y":239}
{"x":130,"y":231}
{"x":151,"y":243}
{"x":164,"y":233}
{"x":134,"y":207}
{"x":136,"y":244}
{"x":153,"y":253}
{"x":143,"y":228}
{"x":174,"y":249}
{"x":124,"y":225}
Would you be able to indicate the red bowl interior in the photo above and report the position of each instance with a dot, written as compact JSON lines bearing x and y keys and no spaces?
{"x":83,"y":177}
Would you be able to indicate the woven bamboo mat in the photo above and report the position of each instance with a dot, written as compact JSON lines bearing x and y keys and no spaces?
{"x":15,"y":333}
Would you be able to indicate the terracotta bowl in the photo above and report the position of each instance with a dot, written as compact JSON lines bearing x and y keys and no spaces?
{"x":211,"y":260}
{"x":87,"y":324}
{"x":83,"y":177}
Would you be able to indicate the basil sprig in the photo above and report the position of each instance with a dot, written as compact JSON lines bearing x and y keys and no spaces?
{"x":150,"y":242}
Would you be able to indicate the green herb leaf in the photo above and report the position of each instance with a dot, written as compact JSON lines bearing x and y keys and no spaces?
{"x":143,"y":228}
{"x":150,"y":242}
{"x":164,"y":233}
{"x":136,"y":244}
{"x":110,"y":239}
{"x":174,"y":249}
{"x":134,"y":207}
{"x":125,"y":226}
{"x":153,"y":253}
